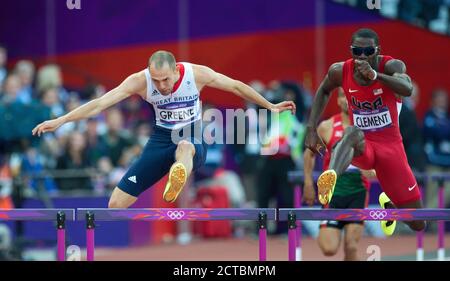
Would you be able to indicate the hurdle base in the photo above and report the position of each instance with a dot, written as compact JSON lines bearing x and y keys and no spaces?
{"x":441,"y":254}
{"x":419,"y":255}
{"x":298,"y":254}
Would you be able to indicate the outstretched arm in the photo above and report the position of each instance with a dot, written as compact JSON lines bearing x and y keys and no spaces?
{"x":324,"y":131}
{"x":205,"y":76}
{"x":134,"y":84}
{"x":332,"y":80}
{"x":309,"y":160}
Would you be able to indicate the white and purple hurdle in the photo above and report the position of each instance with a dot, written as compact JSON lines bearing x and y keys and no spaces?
{"x":191,"y":214}
{"x":300,"y":214}
{"x":60,"y":216}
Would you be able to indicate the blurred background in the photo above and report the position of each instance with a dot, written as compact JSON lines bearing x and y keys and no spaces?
{"x":53,"y":59}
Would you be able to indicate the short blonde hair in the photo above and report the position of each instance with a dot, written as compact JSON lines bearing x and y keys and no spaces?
{"x":159,"y":58}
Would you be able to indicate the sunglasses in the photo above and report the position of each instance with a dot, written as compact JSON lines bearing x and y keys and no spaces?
{"x":368,"y":51}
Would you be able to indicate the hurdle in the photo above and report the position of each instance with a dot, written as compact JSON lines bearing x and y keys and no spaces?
{"x":441,"y":179}
{"x":91,"y":215}
{"x":292,"y":215}
{"x":58,"y":215}
{"x":295,"y":178}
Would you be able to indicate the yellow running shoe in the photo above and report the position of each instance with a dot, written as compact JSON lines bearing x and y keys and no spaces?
{"x":325,"y":186}
{"x":388,"y":227}
{"x":175,"y":183}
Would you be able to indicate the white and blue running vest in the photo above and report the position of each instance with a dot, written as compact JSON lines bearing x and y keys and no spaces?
{"x":179,"y":108}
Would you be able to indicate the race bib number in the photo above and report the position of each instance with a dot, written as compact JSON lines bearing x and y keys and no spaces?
{"x":372,"y":120}
{"x":177,"y":112}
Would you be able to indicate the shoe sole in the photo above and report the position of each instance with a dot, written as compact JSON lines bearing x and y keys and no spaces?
{"x":175,"y":183}
{"x":325,"y":186}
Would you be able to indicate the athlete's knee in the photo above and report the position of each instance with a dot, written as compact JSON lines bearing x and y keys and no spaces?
{"x":185,"y":146}
{"x":354,"y":134}
{"x":116,"y":203}
{"x":328,"y":249}
{"x":113,"y":203}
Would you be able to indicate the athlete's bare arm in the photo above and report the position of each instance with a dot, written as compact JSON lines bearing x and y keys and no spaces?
{"x":332,"y":80}
{"x":205,"y":76}
{"x":395,"y":77}
{"x":134,"y":84}
{"x":324,"y":130}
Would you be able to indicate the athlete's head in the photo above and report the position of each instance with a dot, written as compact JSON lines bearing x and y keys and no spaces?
{"x":342,"y":100}
{"x":164,"y":71}
{"x":365,"y":45}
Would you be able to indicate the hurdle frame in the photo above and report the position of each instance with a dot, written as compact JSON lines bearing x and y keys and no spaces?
{"x":91,"y":215}
{"x":298,"y":204}
{"x":296,"y":179}
{"x":60,"y":216}
{"x":291,"y":215}
{"x":440,"y":178}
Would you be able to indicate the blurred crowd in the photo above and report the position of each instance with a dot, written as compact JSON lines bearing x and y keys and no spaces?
{"x":89,"y":155}
{"x":92,"y":155}
{"x":430,"y":14}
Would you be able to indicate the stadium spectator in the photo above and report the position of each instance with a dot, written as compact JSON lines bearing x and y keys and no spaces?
{"x":115,"y":139}
{"x":11,"y":89}
{"x":3,"y":59}
{"x":24,"y":69}
{"x":74,"y":157}
{"x":437,"y":141}
{"x":412,"y":133}
{"x":49,"y":76}
{"x":286,"y":141}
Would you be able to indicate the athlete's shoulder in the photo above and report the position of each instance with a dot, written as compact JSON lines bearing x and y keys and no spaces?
{"x":335,"y":72}
{"x":140,"y":75}
{"x":337,"y":66}
{"x":394,"y":66}
{"x":137,"y":83}
{"x":203,"y":74}
{"x":198,"y":68}
{"x":139,"y":78}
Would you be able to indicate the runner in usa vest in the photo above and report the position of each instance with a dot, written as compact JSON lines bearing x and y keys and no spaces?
{"x":374,"y":85}
{"x":374,"y":108}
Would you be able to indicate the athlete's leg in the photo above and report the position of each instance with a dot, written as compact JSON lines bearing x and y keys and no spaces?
{"x":180,"y":170}
{"x":351,"y":145}
{"x":121,"y":199}
{"x":185,"y":154}
{"x":417,"y":225}
{"x":398,"y":181}
{"x":329,"y":240}
{"x":144,"y":172}
{"x":352,"y":235}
